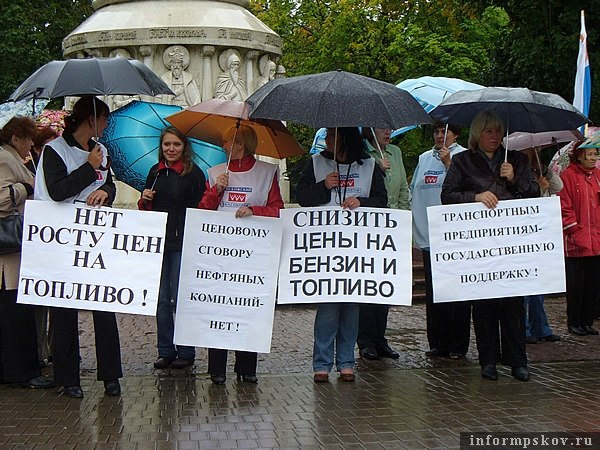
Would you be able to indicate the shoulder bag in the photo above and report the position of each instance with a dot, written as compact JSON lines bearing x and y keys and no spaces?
{"x":11,"y":229}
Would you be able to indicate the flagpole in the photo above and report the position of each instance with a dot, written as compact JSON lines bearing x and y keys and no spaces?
{"x":583,"y":82}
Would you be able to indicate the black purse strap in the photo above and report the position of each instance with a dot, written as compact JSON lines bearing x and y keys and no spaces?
{"x":13,"y":202}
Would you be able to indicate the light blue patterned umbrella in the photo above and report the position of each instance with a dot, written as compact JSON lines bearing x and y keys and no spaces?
{"x":132,"y":136}
{"x":9,"y":110}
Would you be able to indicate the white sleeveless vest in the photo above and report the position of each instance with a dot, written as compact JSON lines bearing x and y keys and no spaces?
{"x":353,"y":183}
{"x":250,"y":188}
{"x":73,"y":158}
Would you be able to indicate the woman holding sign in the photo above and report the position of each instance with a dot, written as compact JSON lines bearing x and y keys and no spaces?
{"x":18,"y":343}
{"x":325,"y":182}
{"x":75,"y":168}
{"x":481,"y":174}
{"x":259,"y":181}
{"x":173,"y":184}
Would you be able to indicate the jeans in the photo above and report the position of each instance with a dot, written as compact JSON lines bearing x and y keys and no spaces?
{"x":536,"y":322}
{"x":335,"y":322}
{"x":169,"y":283}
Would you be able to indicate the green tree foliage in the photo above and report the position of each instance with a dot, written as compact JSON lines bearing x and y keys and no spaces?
{"x":32,"y":34}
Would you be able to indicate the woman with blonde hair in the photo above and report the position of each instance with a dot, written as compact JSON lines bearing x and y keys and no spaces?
{"x":260,"y":183}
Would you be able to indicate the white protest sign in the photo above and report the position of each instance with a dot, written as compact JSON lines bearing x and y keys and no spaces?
{"x":102,"y":259}
{"x":330,"y":254}
{"x":514,"y":249}
{"x":227,"y":281}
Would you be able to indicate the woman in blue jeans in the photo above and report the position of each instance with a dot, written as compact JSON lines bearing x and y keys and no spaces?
{"x":173,"y":184}
{"x":324,"y":183}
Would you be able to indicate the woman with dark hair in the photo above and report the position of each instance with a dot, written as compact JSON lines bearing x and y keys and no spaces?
{"x":580,"y":205}
{"x":173,"y":184}
{"x":75,"y":168}
{"x":481,"y":174}
{"x":324,"y":182}
{"x":18,"y":337}
{"x":261,"y":182}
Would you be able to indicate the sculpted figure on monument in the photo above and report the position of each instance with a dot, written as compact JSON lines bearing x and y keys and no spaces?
{"x":230,"y":85}
{"x":267,"y":69}
{"x":177,"y":58}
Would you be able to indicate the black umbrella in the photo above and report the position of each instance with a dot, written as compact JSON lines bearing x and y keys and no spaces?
{"x":336,"y":99}
{"x":91,"y":76}
{"x":519,"y":108}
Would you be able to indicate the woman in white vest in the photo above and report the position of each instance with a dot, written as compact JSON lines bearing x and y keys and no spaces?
{"x":342,"y":175}
{"x":75,"y":168}
{"x":247,"y":187}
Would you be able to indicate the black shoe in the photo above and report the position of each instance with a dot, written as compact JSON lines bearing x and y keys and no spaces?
{"x":579,"y":331}
{"x":247,"y":378}
{"x":590,"y":330}
{"x":40,"y":383}
{"x":218,"y":379}
{"x":73,"y":391}
{"x":112,"y":388}
{"x":387,"y":352}
{"x":520,"y":373}
{"x":454,"y":355}
{"x":489,"y":372}
{"x":182,"y":363}
{"x":550,"y":338}
{"x":163,"y":362}
{"x":435,"y":353}
{"x":531,"y":340}
{"x":369,"y":353}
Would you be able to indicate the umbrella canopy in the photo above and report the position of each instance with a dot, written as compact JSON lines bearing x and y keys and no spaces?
{"x":11,"y":109}
{"x":208,"y":120}
{"x":592,"y":141}
{"x":520,"y":140}
{"x":519,"y":108}
{"x":91,"y":76}
{"x":336,"y":99}
{"x":132,"y":139}
{"x":431,"y":91}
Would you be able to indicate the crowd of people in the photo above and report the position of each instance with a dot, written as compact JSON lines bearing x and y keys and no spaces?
{"x":74,"y":167}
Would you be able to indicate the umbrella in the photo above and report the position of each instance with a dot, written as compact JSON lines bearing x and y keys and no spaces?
{"x":593,"y":141}
{"x":132,"y":139}
{"x":431,"y":91}
{"x":208,"y":120}
{"x":520,"y":140}
{"x":11,"y":109}
{"x":336,"y":99}
{"x":519,"y":108}
{"x":91,"y":76}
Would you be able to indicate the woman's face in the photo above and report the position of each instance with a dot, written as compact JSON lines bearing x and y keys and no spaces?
{"x":236,"y":150}
{"x":100,"y":126}
{"x":330,"y":139}
{"x":588,"y":158}
{"x":438,"y":136}
{"x":490,"y":139}
{"x":382,"y":135}
{"x":22,"y":145}
{"x":172,"y":148}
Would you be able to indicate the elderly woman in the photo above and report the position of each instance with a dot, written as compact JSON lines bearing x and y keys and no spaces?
{"x":18,"y":337}
{"x":481,"y":174}
{"x":580,"y":204}
{"x":323,"y":183}
{"x":74,"y":168}
{"x":260,"y":181}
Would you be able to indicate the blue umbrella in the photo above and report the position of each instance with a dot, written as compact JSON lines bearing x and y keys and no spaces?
{"x":431,"y":91}
{"x":9,"y":110}
{"x":132,"y":136}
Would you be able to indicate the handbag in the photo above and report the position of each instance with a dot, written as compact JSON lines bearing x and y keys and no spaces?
{"x":11,"y":229}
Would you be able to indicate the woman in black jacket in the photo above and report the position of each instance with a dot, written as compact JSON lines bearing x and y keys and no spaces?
{"x":481,"y":174}
{"x":174,"y":184}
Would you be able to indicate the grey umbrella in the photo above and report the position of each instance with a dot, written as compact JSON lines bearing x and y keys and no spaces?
{"x":91,"y":76}
{"x":519,"y":108}
{"x":336,"y":99}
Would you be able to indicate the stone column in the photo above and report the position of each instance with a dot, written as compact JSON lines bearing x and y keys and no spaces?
{"x":147,"y":52}
{"x":251,"y":57}
{"x":207,"y":79}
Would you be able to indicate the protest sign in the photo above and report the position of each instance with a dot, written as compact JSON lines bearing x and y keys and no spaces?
{"x":102,"y":259}
{"x":330,"y":254}
{"x":227,"y":281}
{"x":514,"y":249}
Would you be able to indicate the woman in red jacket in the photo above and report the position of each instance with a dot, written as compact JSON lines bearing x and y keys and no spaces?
{"x":247,"y":187}
{"x":580,"y":204}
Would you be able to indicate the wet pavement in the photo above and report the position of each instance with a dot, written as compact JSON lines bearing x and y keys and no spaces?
{"x":412,"y":402}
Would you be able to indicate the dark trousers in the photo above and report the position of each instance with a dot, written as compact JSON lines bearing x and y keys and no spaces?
{"x":66,"y":346}
{"x":372,"y":323}
{"x":18,"y":339}
{"x":448,"y":324}
{"x":245,"y":362}
{"x":500,"y":331}
{"x":583,"y":283}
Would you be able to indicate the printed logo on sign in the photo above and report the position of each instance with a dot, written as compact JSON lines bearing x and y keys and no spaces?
{"x":237,"y":197}
{"x":431,"y":179}
{"x":347,"y":183}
